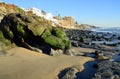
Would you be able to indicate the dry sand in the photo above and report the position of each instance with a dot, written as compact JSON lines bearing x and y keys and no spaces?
{"x":21,"y":63}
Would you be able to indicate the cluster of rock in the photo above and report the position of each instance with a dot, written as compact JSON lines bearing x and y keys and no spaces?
{"x":106,"y":54}
{"x":33,"y":33}
{"x":99,"y":55}
{"x":90,"y":39}
{"x":107,"y":70}
{"x":69,"y":73}
{"x":105,"y":44}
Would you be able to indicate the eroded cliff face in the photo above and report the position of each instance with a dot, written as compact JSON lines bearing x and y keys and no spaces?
{"x":66,"y":22}
{"x":10,"y":8}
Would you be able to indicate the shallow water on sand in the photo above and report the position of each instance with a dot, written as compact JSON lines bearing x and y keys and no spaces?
{"x":88,"y":71}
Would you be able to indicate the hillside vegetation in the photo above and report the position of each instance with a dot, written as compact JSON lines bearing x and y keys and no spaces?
{"x":9,"y":8}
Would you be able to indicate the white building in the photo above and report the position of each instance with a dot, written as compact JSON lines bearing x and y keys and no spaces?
{"x":38,"y":12}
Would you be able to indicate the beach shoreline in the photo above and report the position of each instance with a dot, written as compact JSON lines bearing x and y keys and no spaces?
{"x":21,"y":63}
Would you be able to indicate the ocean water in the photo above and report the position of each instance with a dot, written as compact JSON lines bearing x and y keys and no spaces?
{"x":107,"y":32}
{"x":115,"y":30}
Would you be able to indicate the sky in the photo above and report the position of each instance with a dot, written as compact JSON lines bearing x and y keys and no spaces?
{"x":101,"y":13}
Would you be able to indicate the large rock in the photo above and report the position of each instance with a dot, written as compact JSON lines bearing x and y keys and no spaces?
{"x":56,"y":38}
{"x":69,"y":73}
{"x":100,"y":55}
{"x":22,"y":23}
{"x":70,"y":52}
{"x":32,"y":31}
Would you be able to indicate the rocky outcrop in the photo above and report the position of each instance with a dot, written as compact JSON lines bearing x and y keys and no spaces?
{"x":70,"y":52}
{"x":69,"y":73}
{"x":9,"y":8}
{"x":33,"y":32}
{"x":107,"y":70}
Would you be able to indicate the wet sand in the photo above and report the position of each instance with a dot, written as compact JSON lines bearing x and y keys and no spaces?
{"x":21,"y":63}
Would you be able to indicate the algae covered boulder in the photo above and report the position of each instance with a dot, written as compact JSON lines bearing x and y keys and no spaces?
{"x":32,"y":31}
{"x":56,"y":38}
{"x":58,"y":33}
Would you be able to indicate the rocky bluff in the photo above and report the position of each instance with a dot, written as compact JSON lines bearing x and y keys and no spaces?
{"x":33,"y":33}
{"x":9,"y":8}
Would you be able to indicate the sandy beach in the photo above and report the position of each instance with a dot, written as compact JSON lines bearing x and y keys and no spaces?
{"x":21,"y":63}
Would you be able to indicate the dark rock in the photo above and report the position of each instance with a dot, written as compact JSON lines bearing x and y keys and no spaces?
{"x":74,"y":43}
{"x":119,"y":37}
{"x":92,"y":39}
{"x":100,"y":55}
{"x":69,"y":73}
{"x":70,"y":52}
{"x":86,"y":54}
{"x":107,"y":70}
{"x":97,"y":53}
{"x":81,"y":39}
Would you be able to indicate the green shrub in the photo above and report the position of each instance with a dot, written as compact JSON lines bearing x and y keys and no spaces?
{"x":58,"y":33}
{"x":54,"y":42}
